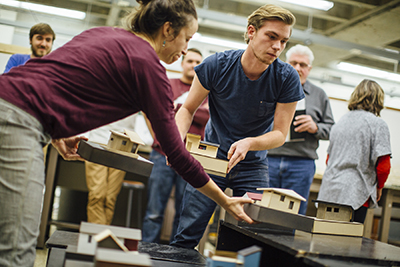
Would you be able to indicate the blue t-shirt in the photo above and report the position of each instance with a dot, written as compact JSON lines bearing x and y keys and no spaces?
{"x":16,"y":60}
{"x":240,"y":107}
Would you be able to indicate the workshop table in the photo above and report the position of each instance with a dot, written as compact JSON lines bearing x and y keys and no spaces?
{"x":160,"y":255}
{"x":74,"y":180}
{"x":390,"y":198}
{"x":284,"y":247}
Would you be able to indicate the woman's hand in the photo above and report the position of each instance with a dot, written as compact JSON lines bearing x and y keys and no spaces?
{"x":67,"y":147}
{"x":378,"y":194}
{"x":234,"y":206}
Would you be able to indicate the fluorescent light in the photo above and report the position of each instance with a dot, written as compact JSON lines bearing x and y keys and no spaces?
{"x":366,"y":71}
{"x":45,"y":9}
{"x":218,"y":42}
{"x":317,"y":4}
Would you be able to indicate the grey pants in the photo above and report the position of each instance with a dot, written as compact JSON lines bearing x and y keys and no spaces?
{"x":21,"y":184}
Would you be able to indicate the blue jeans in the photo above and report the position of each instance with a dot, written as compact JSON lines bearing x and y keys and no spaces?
{"x":21,"y":184}
{"x":197,"y":209}
{"x":161,"y":181}
{"x":292,"y":173}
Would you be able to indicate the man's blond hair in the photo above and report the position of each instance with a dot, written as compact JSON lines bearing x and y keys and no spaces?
{"x":269,"y":12}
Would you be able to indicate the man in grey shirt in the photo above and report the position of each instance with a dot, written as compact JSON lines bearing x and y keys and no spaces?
{"x":292,"y":166}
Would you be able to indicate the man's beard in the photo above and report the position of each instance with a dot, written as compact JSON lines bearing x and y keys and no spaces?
{"x":36,"y":54}
{"x":262,"y":60}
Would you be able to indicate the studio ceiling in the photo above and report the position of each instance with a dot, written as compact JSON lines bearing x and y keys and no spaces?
{"x":366,"y":32}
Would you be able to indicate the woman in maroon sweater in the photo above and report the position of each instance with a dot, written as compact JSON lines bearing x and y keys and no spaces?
{"x":102,"y":75}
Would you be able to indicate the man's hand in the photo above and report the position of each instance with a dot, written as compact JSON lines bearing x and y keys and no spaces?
{"x":305,"y":124}
{"x":237,"y":152}
{"x":67,"y":147}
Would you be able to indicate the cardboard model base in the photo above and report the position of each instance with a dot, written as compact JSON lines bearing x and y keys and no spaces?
{"x":99,"y":154}
{"x":212,"y":165}
{"x":300,"y":222}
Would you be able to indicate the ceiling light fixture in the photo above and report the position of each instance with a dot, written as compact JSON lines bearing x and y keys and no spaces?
{"x":317,"y":4}
{"x":45,"y":9}
{"x":366,"y":71}
{"x":218,"y":42}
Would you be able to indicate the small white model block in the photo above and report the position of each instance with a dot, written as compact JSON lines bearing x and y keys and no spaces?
{"x":86,"y":244}
{"x":334,"y":211}
{"x":281,"y":199}
{"x":112,"y":258}
{"x":106,"y":239}
{"x":206,"y":154}
{"x":127,"y":141}
{"x":195,"y":145}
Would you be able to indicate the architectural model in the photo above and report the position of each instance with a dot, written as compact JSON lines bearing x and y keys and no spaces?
{"x":248,"y":257}
{"x":112,"y":258}
{"x":108,"y":246}
{"x":206,"y":154}
{"x":128,"y":141}
{"x":128,"y":236}
{"x":334,"y":211}
{"x":281,"y":199}
{"x":275,"y":209}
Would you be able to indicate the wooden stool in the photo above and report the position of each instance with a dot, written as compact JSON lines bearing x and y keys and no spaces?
{"x":132,"y":186}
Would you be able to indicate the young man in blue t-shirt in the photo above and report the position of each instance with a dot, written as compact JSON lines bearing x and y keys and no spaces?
{"x":41,"y":39}
{"x":247,"y":91}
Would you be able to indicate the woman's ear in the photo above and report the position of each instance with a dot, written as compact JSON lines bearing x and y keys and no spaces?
{"x":168,"y":32}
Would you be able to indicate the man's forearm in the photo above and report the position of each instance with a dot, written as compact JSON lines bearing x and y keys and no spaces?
{"x":183,"y":120}
{"x":267,"y":141}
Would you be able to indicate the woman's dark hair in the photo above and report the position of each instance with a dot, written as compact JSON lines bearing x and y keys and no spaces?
{"x":151,"y":15}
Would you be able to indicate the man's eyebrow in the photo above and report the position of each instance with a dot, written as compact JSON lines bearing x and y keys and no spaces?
{"x":277,"y":35}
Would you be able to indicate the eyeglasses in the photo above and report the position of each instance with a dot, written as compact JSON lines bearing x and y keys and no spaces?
{"x":303,"y":65}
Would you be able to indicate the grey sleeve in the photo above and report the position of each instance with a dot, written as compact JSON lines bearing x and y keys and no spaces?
{"x":381,"y":140}
{"x":326,"y":121}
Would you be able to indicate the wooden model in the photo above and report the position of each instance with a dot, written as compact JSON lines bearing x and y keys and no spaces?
{"x":112,"y":258}
{"x":206,"y":153}
{"x":248,"y":257}
{"x":296,"y":221}
{"x":280,"y":207}
{"x":106,"y":239}
{"x":285,"y":200}
{"x":128,"y":141}
{"x":86,"y":244}
{"x":334,"y":211}
{"x":108,"y":246}
{"x":195,"y":145}
{"x":257,"y":197}
{"x":222,"y":261}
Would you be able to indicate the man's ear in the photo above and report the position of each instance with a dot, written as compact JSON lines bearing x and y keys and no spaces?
{"x":251,"y":31}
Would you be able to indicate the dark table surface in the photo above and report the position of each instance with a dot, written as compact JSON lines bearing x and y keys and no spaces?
{"x":161,"y":255}
{"x":308,"y":248}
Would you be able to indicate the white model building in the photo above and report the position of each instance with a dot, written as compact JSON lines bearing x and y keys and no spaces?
{"x":127,"y":141}
{"x":281,"y":199}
